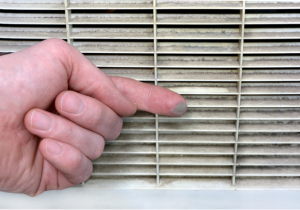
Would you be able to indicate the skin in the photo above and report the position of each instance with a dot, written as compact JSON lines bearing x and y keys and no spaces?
{"x":56,"y":111}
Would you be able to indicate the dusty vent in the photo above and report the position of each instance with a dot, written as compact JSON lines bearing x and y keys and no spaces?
{"x":237,"y":63}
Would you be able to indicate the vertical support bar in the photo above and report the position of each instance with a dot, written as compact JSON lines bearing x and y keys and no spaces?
{"x":69,"y":27}
{"x":241,"y":44}
{"x":242,"y":32}
{"x":239,"y":85}
{"x":67,"y":2}
{"x":155,"y":74}
{"x":68,"y":17}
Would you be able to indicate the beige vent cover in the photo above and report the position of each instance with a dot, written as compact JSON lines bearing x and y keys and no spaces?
{"x":237,"y":63}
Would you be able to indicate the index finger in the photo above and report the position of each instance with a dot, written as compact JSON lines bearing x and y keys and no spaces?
{"x":151,"y":98}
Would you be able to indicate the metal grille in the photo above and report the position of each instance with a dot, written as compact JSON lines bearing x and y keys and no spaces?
{"x":237,"y":64}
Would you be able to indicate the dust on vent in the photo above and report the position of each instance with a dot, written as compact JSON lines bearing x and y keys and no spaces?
{"x":237,"y":63}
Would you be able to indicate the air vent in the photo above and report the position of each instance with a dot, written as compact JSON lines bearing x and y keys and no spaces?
{"x":237,"y":63}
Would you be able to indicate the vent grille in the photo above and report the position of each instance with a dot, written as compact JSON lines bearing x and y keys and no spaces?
{"x":237,"y":64}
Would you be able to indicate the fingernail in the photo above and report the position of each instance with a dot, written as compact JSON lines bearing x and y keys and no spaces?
{"x":179,"y":109}
{"x":54,"y":148}
{"x":72,"y":104}
{"x":41,"y":121}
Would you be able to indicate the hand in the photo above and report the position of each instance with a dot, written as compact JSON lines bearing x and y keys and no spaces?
{"x":42,"y":150}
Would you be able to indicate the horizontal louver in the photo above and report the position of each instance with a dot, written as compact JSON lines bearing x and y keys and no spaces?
{"x":237,"y":64}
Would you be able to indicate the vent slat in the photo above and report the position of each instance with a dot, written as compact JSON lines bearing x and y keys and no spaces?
{"x":111,"y":33}
{"x":197,"y":61}
{"x":198,"y":33}
{"x":193,"y":4}
{"x":194,"y":114}
{"x":199,"y":138}
{"x":211,"y":101}
{"x":271,"y":75}
{"x":271,"y":61}
{"x":196,"y":149}
{"x":122,"y":60}
{"x":268,"y":161}
{"x":201,"y":88}
{"x":32,"y":18}
{"x":23,"y":6}
{"x":273,"y":4}
{"x":110,"y":4}
{"x":269,"y":150}
{"x":277,"y":18}
{"x":267,"y":138}
{"x":196,"y":160}
{"x":197,"y":75}
{"x":121,"y":170}
{"x":14,"y":46}
{"x":186,"y":19}
{"x":274,"y":114}
{"x":114,"y":47}
{"x":197,"y":126}
{"x":269,"y":126}
{"x":195,"y":170}
{"x":32,"y":4}
{"x":198,"y":47}
{"x":266,"y":32}
{"x":268,"y":171}
{"x":272,"y":47}
{"x":32,"y":33}
{"x":270,"y":88}
{"x":270,"y":101}
{"x":111,"y":18}
{"x":125,"y":160}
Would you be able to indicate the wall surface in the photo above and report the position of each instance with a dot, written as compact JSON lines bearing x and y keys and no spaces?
{"x":154,"y":199}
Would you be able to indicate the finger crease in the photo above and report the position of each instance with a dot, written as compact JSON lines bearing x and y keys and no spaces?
{"x":97,"y":90}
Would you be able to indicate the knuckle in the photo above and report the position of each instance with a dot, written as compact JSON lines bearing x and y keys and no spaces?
{"x":62,"y":51}
{"x":83,"y":175}
{"x":98,"y":148}
{"x":89,"y":172}
{"x":119,"y":126}
{"x":75,"y":163}
{"x":98,"y":117}
{"x":98,"y":87}
{"x":86,"y":173}
{"x":55,"y":43}
{"x":116,"y":128}
{"x":70,"y":134}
